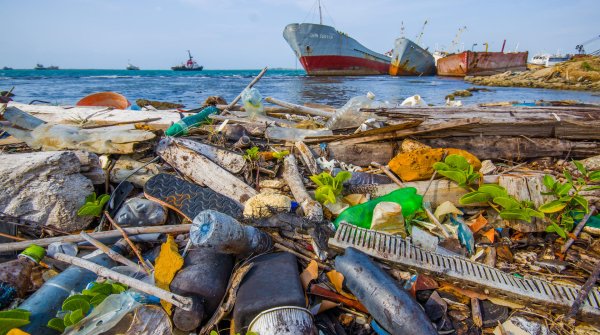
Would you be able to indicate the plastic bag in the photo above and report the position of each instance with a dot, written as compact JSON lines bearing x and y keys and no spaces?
{"x":253,"y":102}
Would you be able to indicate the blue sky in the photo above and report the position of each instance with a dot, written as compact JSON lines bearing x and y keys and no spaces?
{"x":247,"y":34}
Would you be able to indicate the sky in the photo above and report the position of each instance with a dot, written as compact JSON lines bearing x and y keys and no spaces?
{"x":247,"y":34}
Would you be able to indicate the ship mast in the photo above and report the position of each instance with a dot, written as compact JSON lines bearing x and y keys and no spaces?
{"x":320,"y":14}
{"x":420,"y":36}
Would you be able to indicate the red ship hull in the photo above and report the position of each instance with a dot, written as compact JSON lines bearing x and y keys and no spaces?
{"x":343,"y":66}
{"x":470,"y":63}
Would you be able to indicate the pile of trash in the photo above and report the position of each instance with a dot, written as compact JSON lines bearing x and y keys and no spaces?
{"x":291,"y":219}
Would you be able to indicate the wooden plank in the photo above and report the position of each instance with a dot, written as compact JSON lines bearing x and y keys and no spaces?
{"x":422,"y":129}
{"x":204,"y":171}
{"x":517,"y":147}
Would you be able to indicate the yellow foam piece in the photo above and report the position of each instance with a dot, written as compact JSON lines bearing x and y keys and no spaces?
{"x":168,"y":262}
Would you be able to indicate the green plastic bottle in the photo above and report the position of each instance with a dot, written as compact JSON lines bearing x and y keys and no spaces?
{"x":361,"y":215}
{"x":182,"y":126}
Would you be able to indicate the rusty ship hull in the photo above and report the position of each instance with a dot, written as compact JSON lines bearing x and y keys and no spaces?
{"x":409,"y":59}
{"x":469,"y":63}
{"x":324,"y":51}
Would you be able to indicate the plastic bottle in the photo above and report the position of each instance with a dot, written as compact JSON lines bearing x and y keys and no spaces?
{"x":204,"y":276}
{"x":392,"y":307}
{"x":272,"y":282}
{"x":44,"y":303}
{"x":252,"y":102}
{"x":15,"y":276}
{"x":362,"y":215}
{"x":350,"y":115}
{"x":222,"y":233}
{"x":181,"y":127}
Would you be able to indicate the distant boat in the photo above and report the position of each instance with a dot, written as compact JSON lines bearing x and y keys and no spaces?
{"x":548,"y":60}
{"x":132,"y":67}
{"x":190,"y":65}
{"x":42,"y":67}
{"x":7,"y":68}
{"x":409,"y":59}
{"x":470,"y":63}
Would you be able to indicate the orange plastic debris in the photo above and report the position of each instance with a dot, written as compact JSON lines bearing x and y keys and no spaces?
{"x":105,"y":99}
{"x":418,"y":164}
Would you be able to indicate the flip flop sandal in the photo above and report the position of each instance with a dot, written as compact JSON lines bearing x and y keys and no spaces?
{"x":186,"y":198}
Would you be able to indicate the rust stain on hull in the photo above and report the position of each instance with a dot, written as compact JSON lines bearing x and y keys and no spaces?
{"x":470,"y":63}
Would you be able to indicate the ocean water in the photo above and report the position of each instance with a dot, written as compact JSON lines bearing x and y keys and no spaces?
{"x":192,"y":88}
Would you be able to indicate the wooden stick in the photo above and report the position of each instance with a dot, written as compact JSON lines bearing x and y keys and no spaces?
{"x":177,"y":300}
{"x":133,"y":247}
{"x":226,"y":305}
{"x":44,"y":242}
{"x":578,"y":230}
{"x":254,"y":81}
{"x":13,"y":237}
{"x":117,"y":257}
{"x":476,"y":312}
{"x":307,"y":157}
{"x":299,"y":108}
{"x":584,"y":292}
{"x":120,"y":123}
{"x":389,"y":173}
{"x":312,"y":209}
{"x":297,"y":254}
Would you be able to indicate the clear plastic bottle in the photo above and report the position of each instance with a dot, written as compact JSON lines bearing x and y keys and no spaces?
{"x":252,"y":102}
{"x":350,"y":115}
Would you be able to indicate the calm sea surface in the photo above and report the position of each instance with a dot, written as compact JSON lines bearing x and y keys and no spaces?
{"x":191,"y":88}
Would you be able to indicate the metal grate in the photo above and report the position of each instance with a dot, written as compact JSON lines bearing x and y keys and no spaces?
{"x":531,"y":292}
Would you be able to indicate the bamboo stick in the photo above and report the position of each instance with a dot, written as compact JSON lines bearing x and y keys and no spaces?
{"x":44,"y":242}
{"x":182,"y":302}
{"x":117,"y":257}
{"x":133,"y":247}
{"x":299,"y":108}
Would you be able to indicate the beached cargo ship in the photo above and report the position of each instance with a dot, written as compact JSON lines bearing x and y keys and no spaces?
{"x":469,"y":63}
{"x":409,"y":59}
{"x":324,"y":51}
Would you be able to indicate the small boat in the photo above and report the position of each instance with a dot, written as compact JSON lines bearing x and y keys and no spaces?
{"x":548,"y":60}
{"x":42,"y":67}
{"x":472,"y":63}
{"x":132,"y":67}
{"x":7,"y":68}
{"x":325,"y":51}
{"x":409,"y":59}
{"x":190,"y":65}
{"x":105,"y":99}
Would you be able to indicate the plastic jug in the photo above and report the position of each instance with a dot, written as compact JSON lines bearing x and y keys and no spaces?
{"x":182,"y":126}
{"x":362,"y":215}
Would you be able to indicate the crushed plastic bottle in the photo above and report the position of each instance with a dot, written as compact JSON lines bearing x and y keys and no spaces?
{"x":351,"y":116}
{"x":252,"y":102}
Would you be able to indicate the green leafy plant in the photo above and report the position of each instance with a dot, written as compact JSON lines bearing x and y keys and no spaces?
{"x":78,"y":306}
{"x":509,"y":207}
{"x":568,"y":206}
{"x":13,"y":318}
{"x":93,"y":206}
{"x":252,"y":154}
{"x":279,"y":155}
{"x":329,"y":187}
{"x":457,"y":169}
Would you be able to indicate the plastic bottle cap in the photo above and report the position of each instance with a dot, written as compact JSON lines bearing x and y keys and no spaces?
{"x":34,"y":252}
